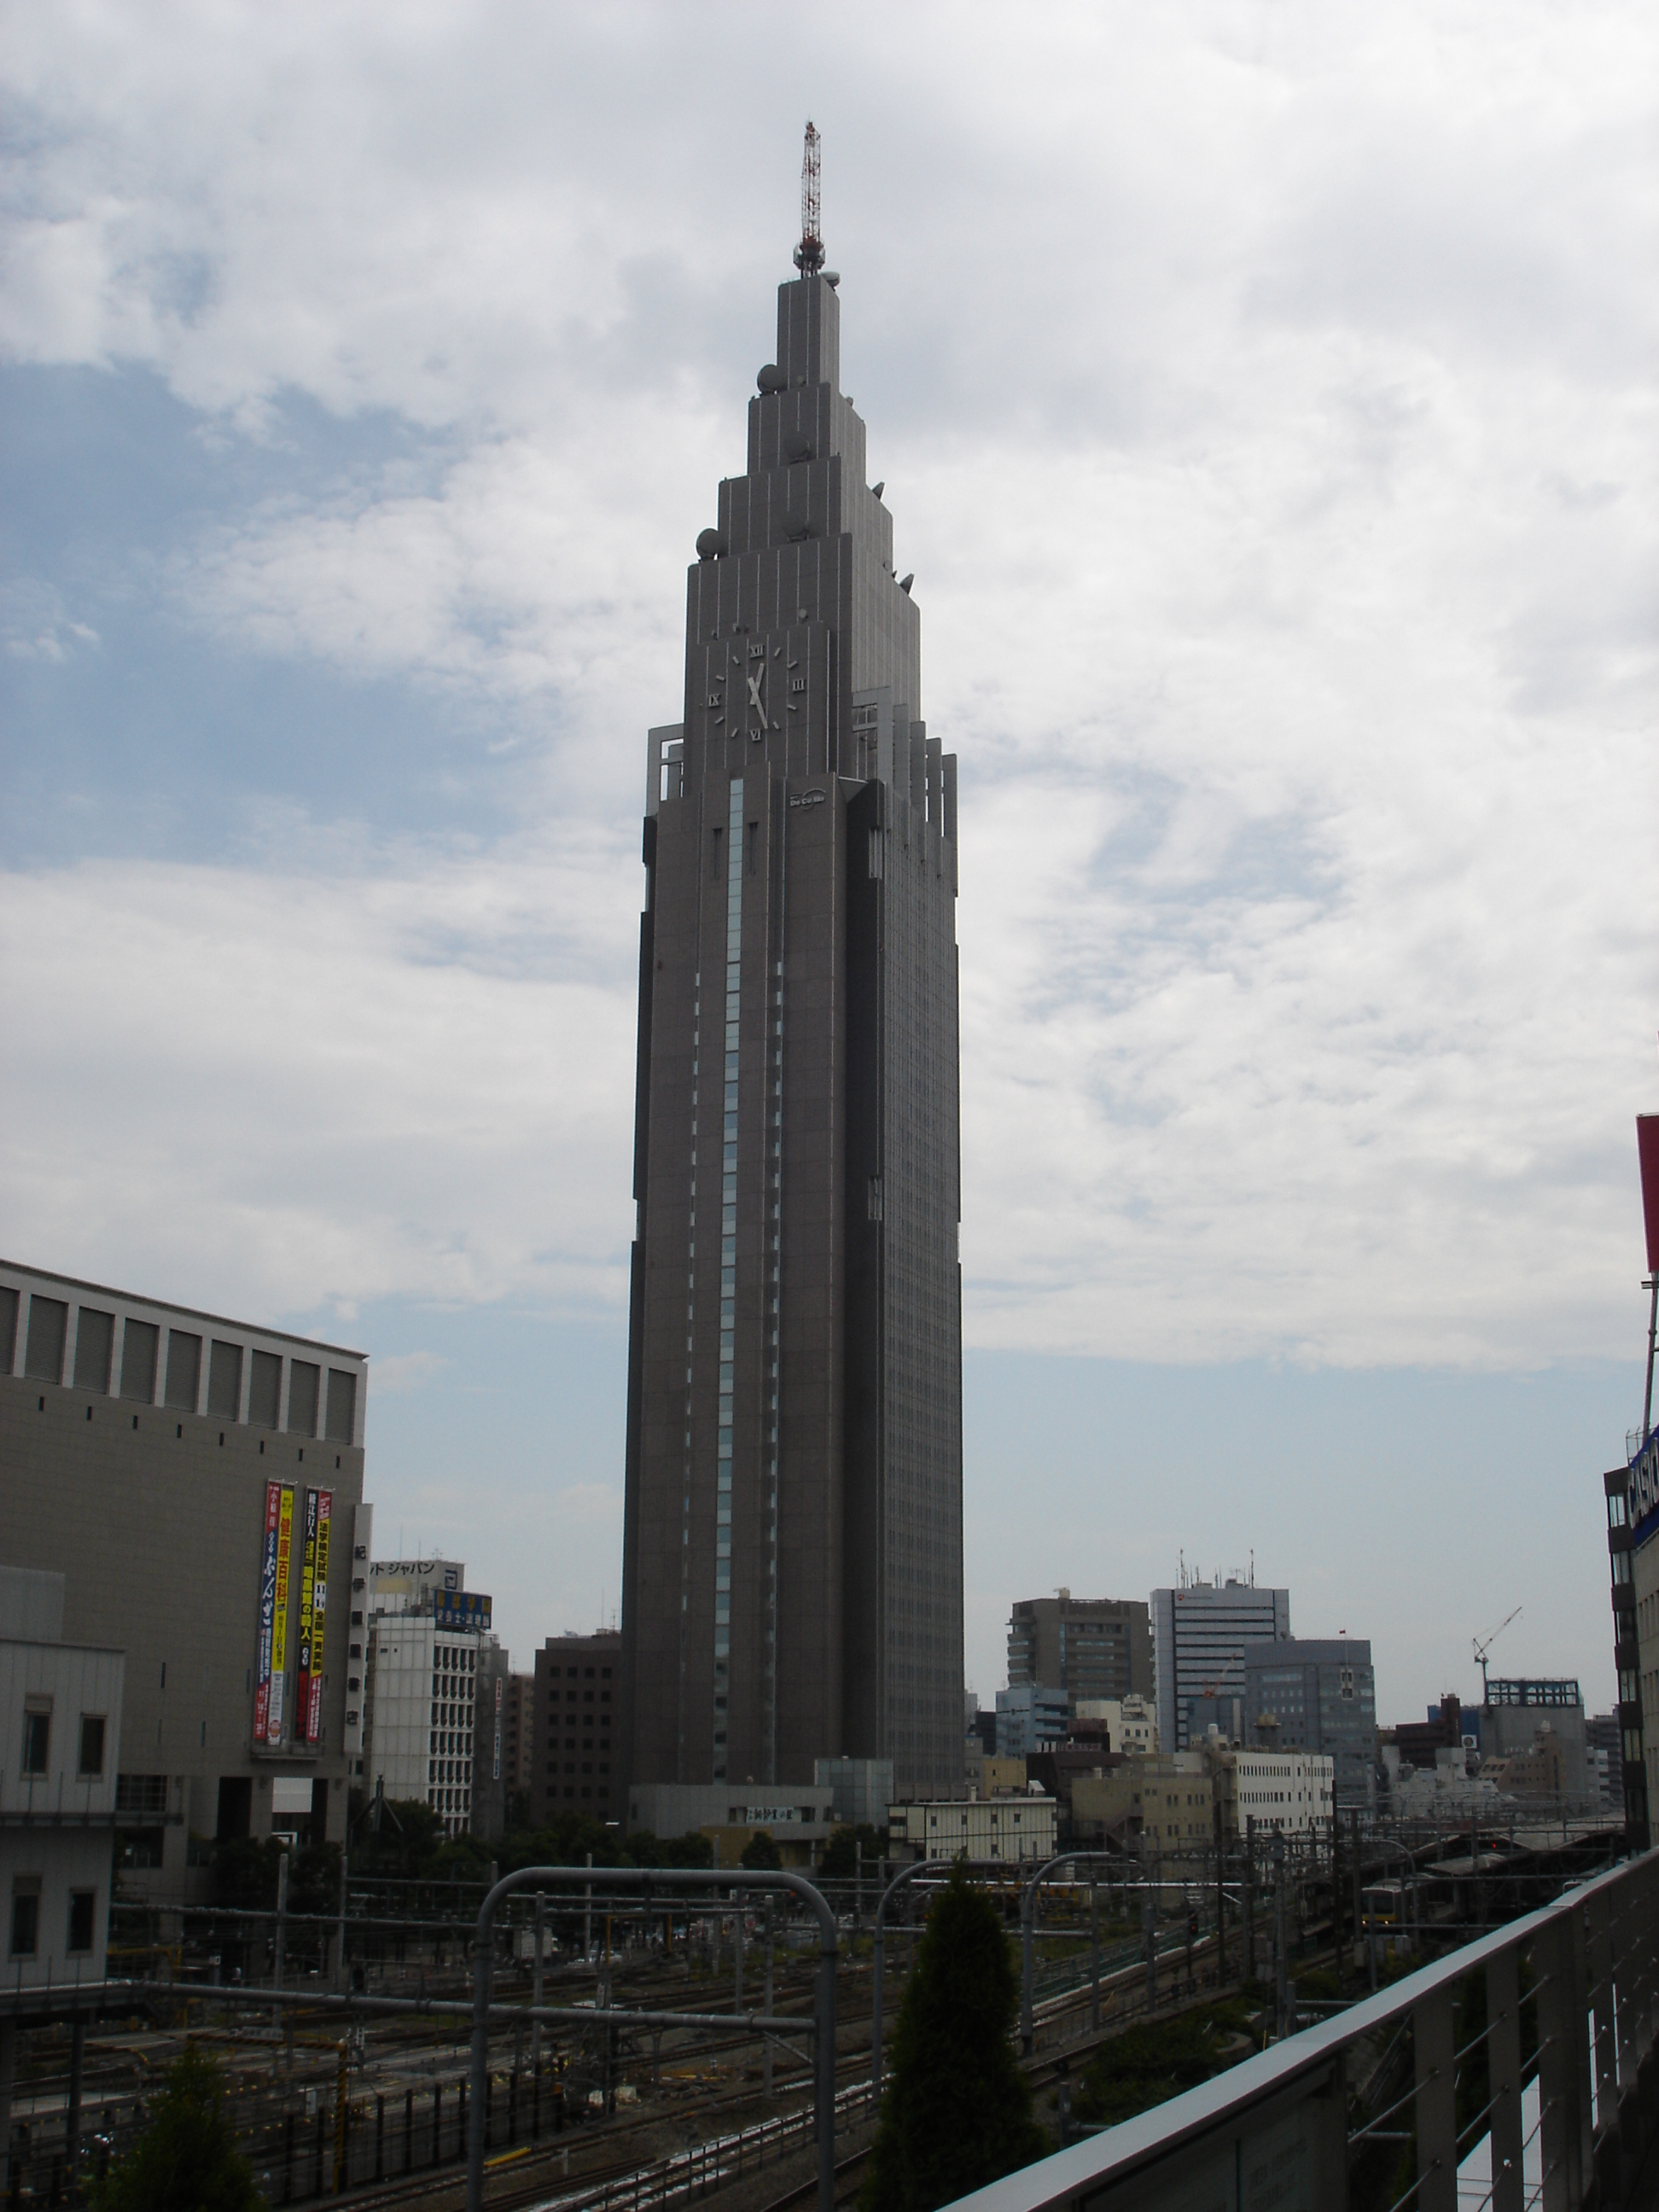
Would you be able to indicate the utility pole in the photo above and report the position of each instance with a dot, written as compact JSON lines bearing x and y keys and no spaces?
{"x":1220,"y":1897}
{"x":766,"y":2039}
{"x":281,"y":1917}
{"x":1281,"y":1961}
{"x":1149,"y":1932}
{"x":345,"y":1978}
{"x":536,"y":1984}
{"x":1094,"y":1953}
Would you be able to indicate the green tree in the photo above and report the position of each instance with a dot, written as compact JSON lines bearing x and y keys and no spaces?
{"x":760,"y":1854}
{"x":957,"y":2112}
{"x":186,"y":2160}
{"x":840,"y":1859}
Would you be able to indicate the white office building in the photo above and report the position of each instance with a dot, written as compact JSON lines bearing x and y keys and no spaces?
{"x":60,"y":1748}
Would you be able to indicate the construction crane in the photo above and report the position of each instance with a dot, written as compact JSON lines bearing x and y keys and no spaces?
{"x":1482,"y":1644}
{"x":809,"y":254}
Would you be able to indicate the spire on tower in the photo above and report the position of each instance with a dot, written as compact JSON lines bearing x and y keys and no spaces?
{"x":809,"y":254}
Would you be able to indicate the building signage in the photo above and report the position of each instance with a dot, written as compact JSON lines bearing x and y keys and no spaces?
{"x":1644,"y":1486}
{"x":275,"y":1717}
{"x":307,"y":1585}
{"x":499,"y":1687}
{"x":813,"y":797}
{"x":462,"y":1609}
{"x":267,"y":1612}
{"x":313,"y":1606}
{"x":771,"y":1816}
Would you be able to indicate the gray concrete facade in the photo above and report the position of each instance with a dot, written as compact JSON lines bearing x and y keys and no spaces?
{"x":138,"y":1443}
{"x":792,"y":1584}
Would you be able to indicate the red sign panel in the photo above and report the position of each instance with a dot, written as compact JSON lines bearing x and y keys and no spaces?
{"x":1647,"y":1152}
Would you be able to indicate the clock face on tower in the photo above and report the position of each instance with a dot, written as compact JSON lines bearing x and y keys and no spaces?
{"x":770,"y":687}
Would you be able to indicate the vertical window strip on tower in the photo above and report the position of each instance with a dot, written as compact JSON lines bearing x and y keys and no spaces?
{"x":690,"y":1320}
{"x":729,"y":1281}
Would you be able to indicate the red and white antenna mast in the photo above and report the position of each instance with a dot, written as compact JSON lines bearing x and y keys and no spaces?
{"x":809,"y":254}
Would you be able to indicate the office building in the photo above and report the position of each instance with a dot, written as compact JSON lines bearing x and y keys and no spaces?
{"x":1303,"y":1694}
{"x":1089,"y":1647}
{"x":197,"y":1482}
{"x":575,"y":1758}
{"x":792,"y":1577}
{"x":1200,"y":1630}
{"x":60,"y":1751}
{"x":429,"y":1652}
{"x":1029,"y":1717}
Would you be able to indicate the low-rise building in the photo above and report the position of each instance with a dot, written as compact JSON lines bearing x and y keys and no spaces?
{"x":1015,"y":1828}
{"x":799,"y":1817}
{"x":990,"y":1777}
{"x":1291,"y":1793}
{"x":1132,"y":1722}
{"x":60,"y":1749}
{"x":860,"y":1788}
{"x":1169,"y":1805}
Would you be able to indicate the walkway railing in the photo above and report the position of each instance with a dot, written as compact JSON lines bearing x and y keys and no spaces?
{"x":1571,"y":2000}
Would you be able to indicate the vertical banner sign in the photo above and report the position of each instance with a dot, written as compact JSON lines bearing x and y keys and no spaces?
{"x":267,"y":1612}
{"x":307,"y":1585}
{"x":311,"y":1717}
{"x":275,"y":1718}
{"x":1646,"y":1156}
{"x":498,"y":1728}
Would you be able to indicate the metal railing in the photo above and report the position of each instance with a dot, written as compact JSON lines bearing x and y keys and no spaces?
{"x":1571,"y":1998}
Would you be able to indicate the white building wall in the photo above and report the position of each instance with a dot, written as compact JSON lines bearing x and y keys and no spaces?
{"x":1293,"y":1791}
{"x":419,"y":1730}
{"x":984,"y":1828}
{"x":57,"y":1825}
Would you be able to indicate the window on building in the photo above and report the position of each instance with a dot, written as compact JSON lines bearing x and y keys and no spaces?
{"x":82,"y":1909}
{"x":37,"y":1738}
{"x":92,"y":1743}
{"x":25,"y":1915}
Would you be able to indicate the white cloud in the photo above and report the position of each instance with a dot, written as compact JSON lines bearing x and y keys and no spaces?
{"x":1264,"y":400}
{"x":403,"y":1371}
{"x":266,"y":1089}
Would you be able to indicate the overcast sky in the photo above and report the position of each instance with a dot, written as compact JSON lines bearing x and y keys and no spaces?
{"x":1265,"y":399}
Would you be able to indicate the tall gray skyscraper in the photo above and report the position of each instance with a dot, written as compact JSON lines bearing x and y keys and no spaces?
{"x":792,"y":1580}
